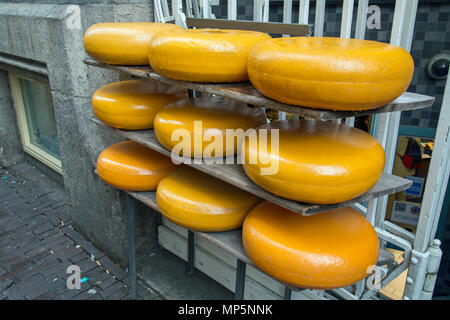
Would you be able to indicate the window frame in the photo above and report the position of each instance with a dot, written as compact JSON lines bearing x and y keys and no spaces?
{"x":17,"y":98}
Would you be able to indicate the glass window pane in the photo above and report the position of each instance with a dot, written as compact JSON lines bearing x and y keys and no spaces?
{"x":40,"y":117}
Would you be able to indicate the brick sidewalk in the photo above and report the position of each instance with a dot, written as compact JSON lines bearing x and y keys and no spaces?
{"x":38,"y":243}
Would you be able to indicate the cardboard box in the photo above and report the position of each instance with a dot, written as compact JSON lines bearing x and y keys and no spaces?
{"x":405,"y":212}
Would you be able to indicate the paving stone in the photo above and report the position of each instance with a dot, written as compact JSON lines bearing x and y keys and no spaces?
{"x":38,"y":244}
{"x":118,"y":286}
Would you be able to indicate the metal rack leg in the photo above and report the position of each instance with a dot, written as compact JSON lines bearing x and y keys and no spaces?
{"x":240,"y":280}
{"x":132,"y":246}
{"x":191,"y":253}
{"x":287,"y":293}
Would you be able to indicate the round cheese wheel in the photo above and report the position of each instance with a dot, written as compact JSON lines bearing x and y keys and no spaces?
{"x":130,"y":166}
{"x":314,"y":161}
{"x":200,"y":126}
{"x":330,"y":73}
{"x":203,"y":55}
{"x":133,"y":104}
{"x":197,"y":201}
{"x":124,"y":43}
{"x":324,"y":251}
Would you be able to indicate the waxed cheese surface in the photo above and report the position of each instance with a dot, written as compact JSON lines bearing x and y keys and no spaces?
{"x":130,"y":166}
{"x":203,"y":55}
{"x":314,"y":161}
{"x":133,"y":104}
{"x":122,"y":43}
{"x":205,"y":119}
{"x":323,"y":251}
{"x":330,"y":73}
{"x":198,"y":201}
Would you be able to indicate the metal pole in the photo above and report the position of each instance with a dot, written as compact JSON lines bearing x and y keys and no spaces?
{"x":320,"y":18}
{"x":287,"y":293}
{"x":240,"y":280}
{"x":191,"y":253}
{"x":131,"y":246}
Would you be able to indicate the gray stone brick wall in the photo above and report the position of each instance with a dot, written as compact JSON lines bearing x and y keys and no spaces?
{"x":40,"y":33}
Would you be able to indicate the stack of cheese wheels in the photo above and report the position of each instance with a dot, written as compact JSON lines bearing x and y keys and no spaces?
{"x":133,"y":104}
{"x":200,"y":202}
{"x":330,"y":73}
{"x":314,"y":161}
{"x":123,"y":43}
{"x":203,"y":55}
{"x":324,"y":251}
{"x":130,"y":166}
{"x":198,"y":127}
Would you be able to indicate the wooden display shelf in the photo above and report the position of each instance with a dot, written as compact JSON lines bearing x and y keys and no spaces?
{"x":230,"y":241}
{"x":245,"y":92}
{"x":234,"y":174}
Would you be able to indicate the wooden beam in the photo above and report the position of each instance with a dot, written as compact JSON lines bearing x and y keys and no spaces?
{"x":268,"y":27}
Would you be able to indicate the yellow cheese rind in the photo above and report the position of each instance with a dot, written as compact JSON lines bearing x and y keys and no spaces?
{"x":122,"y":43}
{"x":317,"y":161}
{"x":203,"y":55}
{"x":200,"y":202}
{"x":330,"y":73}
{"x":130,"y":166}
{"x":324,"y":251}
{"x":133,"y":104}
{"x":216,"y":115}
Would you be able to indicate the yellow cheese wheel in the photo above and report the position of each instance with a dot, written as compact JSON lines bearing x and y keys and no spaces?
{"x":203,"y":55}
{"x":124,"y":43}
{"x":133,"y":104}
{"x":200,"y":202}
{"x":130,"y":166}
{"x":330,"y":73}
{"x":328,"y":250}
{"x":202,"y":119}
{"x":316,"y":161}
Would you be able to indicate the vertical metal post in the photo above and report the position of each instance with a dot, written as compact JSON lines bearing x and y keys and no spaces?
{"x":347,"y":17}
{"x":361,"y":19}
{"x":388,"y":124}
{"x":437,"y":180}
{"x":232,"y":9}
{"x":287,"y":293}
{"x":205,"y":7}
{"x":131,"y":246}
{"x":287,"y":11}
{"x":240,"y":280}
{"x":303,"y":12}
{"x":320,"y":18}
{"x":257,"y":10}
{"x":346,"y":30}
{"x":191,"y":253}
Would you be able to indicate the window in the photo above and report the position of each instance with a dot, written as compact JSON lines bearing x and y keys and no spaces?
{"x":36,"y":119}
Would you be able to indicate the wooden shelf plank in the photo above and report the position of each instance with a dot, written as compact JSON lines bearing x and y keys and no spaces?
{"x":245,"y":92}
{"x":235,"y":175}
{"x":231,"y":241}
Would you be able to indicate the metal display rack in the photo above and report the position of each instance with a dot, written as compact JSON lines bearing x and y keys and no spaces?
{"x":421,"y":254}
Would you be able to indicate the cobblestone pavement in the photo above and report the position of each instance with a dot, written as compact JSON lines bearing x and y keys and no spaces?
{"x":38,"y":243}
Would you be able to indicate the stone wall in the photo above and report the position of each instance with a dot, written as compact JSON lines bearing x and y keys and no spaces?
{"x":10,"y":146}
{"x":50,"y":36}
